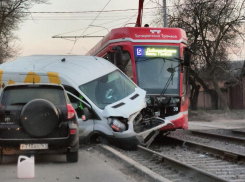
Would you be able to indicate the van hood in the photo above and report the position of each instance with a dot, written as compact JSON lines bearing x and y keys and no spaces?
{"x":124,"y":108}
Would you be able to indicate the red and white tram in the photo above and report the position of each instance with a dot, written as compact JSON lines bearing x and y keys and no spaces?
{"x":157,"y":60}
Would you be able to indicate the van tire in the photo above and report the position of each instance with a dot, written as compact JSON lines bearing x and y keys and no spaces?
{"x":103,"y":140}
{"x":72,"y":157}
{"x":39,"y":118}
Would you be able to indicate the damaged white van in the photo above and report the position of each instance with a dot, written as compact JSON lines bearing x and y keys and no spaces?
{"x":107,"y":103}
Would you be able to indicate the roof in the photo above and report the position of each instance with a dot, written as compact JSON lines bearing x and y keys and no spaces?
{"x":81,"y":69}
{"x":140,"y":34}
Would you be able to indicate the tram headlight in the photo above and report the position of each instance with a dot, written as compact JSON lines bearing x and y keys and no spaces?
{"x":116,"y":125}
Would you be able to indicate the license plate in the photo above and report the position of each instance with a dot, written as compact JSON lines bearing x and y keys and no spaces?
{"x":34,"y":146}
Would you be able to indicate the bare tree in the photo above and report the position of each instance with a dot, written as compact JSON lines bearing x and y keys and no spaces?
{"x":213,"y":27}
{"x":12,"y":13}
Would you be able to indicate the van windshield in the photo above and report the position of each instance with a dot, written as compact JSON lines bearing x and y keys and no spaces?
{"x":108,"y":89}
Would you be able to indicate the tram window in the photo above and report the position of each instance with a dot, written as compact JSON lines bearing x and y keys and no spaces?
{"x":109,"y":56}
{"x":184,"y":80}
{"x":106,"y":57}
{"x":129,"y":70}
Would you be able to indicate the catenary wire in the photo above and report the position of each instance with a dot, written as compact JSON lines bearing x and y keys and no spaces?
{"x":89,"y":25}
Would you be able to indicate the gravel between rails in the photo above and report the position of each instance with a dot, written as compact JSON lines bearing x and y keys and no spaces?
{"x":225,"y":132}
{"x":155,"y":164}
{"x":188,"y":136}
{"x":215,"y":165}
{"x":241,"y":129}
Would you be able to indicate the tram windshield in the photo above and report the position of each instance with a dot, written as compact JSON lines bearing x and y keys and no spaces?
{"x":157,"y":69}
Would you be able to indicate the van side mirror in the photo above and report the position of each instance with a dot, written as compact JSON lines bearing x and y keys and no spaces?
{"x":86,"y":114}
{"x":187,"y":56}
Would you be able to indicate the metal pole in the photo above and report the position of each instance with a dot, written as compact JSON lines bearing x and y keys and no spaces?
{"x":165,"y":13}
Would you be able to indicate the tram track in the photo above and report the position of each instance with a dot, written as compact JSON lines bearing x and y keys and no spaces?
{"x":185,"y":168}
{"x":208,"y":149}
{"x":206,"y":162}
{"x":180,"y":160}
{"x":239,"y":132}
{"x":232,"y":139}
{"x":223,"y":139}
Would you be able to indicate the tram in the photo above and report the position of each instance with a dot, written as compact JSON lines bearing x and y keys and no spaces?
{"x":157,"y":60}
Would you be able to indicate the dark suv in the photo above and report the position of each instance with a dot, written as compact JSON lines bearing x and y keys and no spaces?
{"x":37,"y":119}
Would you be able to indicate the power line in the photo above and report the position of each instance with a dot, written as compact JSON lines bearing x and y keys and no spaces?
{"x":136,"y":13}
{"x":89,"y":25}
{"x":85,"y":28}
{"x":89,"y":33}
{"x":74,"y":12}
{"x":73,"y":19}
{"x":86,"y":17}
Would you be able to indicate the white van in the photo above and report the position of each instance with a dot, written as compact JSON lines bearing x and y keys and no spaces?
{"x":108,"y":104}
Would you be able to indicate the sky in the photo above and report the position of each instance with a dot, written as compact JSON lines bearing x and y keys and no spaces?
{"x":36,"y":32}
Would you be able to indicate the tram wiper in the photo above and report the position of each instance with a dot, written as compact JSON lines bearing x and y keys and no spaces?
{"x":172,"y":71}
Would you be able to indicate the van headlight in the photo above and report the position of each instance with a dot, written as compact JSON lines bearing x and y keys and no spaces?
{"x":116,"y":125}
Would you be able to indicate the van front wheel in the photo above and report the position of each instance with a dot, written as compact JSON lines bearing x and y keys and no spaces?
{"x":72,"y":157}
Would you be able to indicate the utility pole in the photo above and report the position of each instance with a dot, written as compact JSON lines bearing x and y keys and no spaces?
{"x":165,"y":13}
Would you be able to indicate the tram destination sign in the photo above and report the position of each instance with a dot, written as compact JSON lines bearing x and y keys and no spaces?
{"x":150,"y":51}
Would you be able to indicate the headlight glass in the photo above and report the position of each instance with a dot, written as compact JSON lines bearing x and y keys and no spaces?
{"x":116,"y":125}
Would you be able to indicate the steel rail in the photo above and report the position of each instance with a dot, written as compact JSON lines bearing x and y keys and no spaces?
{"x":238,"y":132}
{"x":188,"y":169}
{"x":225,"y":138}
{"x":206,"y":148}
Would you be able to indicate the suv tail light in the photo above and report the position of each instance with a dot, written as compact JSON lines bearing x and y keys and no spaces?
{"x":70,"y":111}
{"x":73,"y":131}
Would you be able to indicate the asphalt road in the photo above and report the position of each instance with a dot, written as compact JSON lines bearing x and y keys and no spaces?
{"x":93,"y":166}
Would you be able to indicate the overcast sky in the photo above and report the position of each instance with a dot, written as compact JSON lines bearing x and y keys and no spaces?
{"x":35,"y":34}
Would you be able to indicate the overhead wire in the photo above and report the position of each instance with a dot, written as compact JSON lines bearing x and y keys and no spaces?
{"x":74,"y":12}
{"x":135,"y":14}
{"x":89,"y":25}
{"x":85,"y":28}
{"x":86,"y":17}
{"x":118,"y":10}
{"x":114,"y":18}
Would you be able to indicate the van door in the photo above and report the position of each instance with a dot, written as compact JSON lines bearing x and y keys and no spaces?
{"x":85,"y":127}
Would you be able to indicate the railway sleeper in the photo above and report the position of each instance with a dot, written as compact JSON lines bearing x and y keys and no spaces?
{"x":214,"y":163}
{"x":171,"y":176}
{"x":222,"y":173}
{"x":200,"y":160}
{"x":221,"y":165}
{"x":231,"y":169}
{"x":232,"y":176}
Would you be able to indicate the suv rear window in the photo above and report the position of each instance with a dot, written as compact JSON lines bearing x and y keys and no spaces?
{"x":22,"y":95}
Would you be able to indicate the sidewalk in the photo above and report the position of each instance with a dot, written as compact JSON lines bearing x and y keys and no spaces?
{"x":217,"y":124}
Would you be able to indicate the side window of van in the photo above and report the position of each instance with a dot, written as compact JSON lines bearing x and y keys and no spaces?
{"x":78,"y":106}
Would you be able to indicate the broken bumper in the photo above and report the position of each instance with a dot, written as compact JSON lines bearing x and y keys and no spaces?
{"x":129,"y":139}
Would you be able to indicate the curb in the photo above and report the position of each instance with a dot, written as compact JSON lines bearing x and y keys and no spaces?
{"x":152,"y":176}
